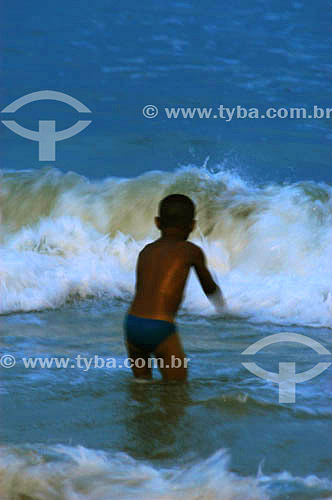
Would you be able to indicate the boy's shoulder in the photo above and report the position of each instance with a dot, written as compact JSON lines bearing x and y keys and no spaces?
{"x":186,"y":245}
{"x":193,"y":246}
{"x":195,"y":250}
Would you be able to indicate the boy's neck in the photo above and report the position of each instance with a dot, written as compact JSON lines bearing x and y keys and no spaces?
{"x":174,"y":233}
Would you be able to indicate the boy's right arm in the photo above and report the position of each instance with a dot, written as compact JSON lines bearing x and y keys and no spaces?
{"x":210,"y":287}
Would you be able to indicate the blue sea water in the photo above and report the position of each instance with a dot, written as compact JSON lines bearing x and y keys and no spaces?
{"x":71,"y":230}
{"x":118,"y":58}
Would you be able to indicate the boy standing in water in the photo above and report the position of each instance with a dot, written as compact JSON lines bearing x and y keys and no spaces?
{"x":161,"y":274}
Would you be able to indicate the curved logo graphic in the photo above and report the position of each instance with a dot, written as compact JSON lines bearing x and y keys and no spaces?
{"x":287,"y":378}
{"x":46,"y":135}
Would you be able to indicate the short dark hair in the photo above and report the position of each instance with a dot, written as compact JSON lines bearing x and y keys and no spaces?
{"x":176,"y":210}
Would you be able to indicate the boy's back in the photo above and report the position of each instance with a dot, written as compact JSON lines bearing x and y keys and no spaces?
{"x":162,"y":271}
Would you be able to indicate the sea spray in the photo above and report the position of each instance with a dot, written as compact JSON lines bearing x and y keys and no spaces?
{"x":65,"y":236}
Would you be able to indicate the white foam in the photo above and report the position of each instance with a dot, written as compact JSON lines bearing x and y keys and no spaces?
{"x":78,"y":473}
{"x":270,"y":248}
{"x":83,"y":474}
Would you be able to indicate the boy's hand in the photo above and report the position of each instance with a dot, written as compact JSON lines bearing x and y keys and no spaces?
{"x":218,"y":301}
{"x":207,"y":282}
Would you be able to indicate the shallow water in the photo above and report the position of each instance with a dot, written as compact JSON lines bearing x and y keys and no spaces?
{"x":223,"y":434}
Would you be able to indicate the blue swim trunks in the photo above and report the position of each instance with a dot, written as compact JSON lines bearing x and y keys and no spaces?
{"x":145,"y":333}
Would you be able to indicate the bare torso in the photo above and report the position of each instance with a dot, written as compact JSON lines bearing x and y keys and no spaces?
{"x":162,"y":271}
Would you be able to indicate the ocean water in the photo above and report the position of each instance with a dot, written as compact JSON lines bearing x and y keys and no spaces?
{"x":71,"y":230}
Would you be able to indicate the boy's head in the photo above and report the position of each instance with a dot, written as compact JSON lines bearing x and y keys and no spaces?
{"x":176,"y":211}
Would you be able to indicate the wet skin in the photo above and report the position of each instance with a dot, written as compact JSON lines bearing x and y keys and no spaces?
{"x":162,"y":271}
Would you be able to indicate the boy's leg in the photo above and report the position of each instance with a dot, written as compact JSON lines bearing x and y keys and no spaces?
{"x":143,"y":371}
{"x":168,"y":350}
